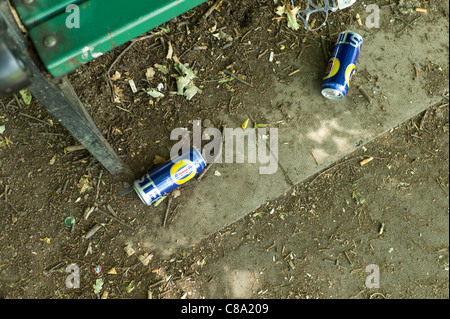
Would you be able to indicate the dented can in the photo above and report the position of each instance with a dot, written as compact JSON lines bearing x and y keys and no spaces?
{"x":342,"y":65}
{"x":164,"y":179}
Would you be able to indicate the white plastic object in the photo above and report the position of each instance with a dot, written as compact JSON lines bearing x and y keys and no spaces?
{"x":342,"y":4}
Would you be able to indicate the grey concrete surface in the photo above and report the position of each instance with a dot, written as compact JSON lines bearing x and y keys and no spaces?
{"x":315,"y":132}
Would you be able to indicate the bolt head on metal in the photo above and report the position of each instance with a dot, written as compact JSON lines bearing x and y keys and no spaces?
{"x":50,"y":41}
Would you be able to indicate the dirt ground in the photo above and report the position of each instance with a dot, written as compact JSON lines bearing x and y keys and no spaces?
{"x":314,"y":242}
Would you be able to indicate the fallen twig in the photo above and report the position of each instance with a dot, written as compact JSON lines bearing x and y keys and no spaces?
{"x":210,"y":10}
{"x":236,"y":77}
{"x":93,"y":230}
{"x":169,"y":204}
{"x":34,"y":118}
{"x":422,"y":120}
{"x":114,"y":218}
{"x":98,"y":184}
{"x":74,"y":148}
{"x":48,"y":272}
{"x":366,"y":95}
{"x":339,"y":164}
{"x":156,"y":283}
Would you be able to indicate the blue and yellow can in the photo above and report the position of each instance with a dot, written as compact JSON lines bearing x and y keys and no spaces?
{"x":164,"y":179}
{"x":342,"y":65}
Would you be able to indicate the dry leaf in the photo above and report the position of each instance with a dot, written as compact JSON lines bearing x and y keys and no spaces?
{"x":46,"y":239}
{"x":117,"y":90}
{"x":175,"y":59}
{"x":129,"y":250}
{"x":145,"y":258}
{"x":245,"y":124}
{"x":116,"y":76}
{"x":291,"y":13}
{"x":84,"y":184}
{"x":52,"y":161}
{"x":213,"y":28}
{"x":150,"y":73}
{"x":117,"y":94}
{"x":112,"y":271}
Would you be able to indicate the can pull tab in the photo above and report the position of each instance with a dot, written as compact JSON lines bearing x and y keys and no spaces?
{"x":312,"y":8}
{"x":342,"y":4}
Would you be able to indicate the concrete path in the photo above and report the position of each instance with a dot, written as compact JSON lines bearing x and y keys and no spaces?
{"x":315,"y":132}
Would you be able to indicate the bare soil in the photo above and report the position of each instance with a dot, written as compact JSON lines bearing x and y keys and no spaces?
{"x":315,"y":242}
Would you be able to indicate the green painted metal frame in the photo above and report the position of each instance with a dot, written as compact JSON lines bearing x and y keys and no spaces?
{"x":58,"y":96}
{"x":34,"y":12}
{"x":104,"y":25}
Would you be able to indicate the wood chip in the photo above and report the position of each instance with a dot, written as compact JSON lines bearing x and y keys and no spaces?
{"x":133,"y":86}
{"x":112,"y":271}
{"x":52,"y":161}
{"x":145,"y":258}
{"x":88,"y":212}
{"x":129,"y":250}
{"x":365,"y":161}
{"x":116,"y":76}
{"x":92,"y":231}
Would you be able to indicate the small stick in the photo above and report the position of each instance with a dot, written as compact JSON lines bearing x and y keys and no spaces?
{"x":346,"y":256}
{"x":6,"y":193}
{"x":169,"y":203}
{"x":47,"y":272}
{"x":115,"y":218}
{"x":366,"y":95}
{"x":156,"y":283}
{"x":210,"y":10}
{"x":205,"y":171}
{"x":301,"y":52}
{"x":36,"y":119}
{"x":314,"y":158}
{"x":422,"y":120}
{"x":98,"y":185}
{"x":74,"y":148}
{"x":294,"y":72}
{"x":330,"y":168}
{"x":92,"y":231}
{"x":236,"y":77}
{"x":417,"y":72}
{"x":421,"y":10}
{"x":262,"y":54}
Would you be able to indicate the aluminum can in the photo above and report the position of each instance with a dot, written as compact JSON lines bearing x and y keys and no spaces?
{"x":165,"y":178}
{"x":342,"y":65}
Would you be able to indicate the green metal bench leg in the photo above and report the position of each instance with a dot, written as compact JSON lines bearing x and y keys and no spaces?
{"x":63,"y":103}
{"x":59,"y":99}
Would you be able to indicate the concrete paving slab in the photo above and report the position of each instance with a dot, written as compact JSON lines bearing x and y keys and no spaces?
{"x":314,"y":132}
{"x":214,"y":202}
{"x":325,"y":131}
